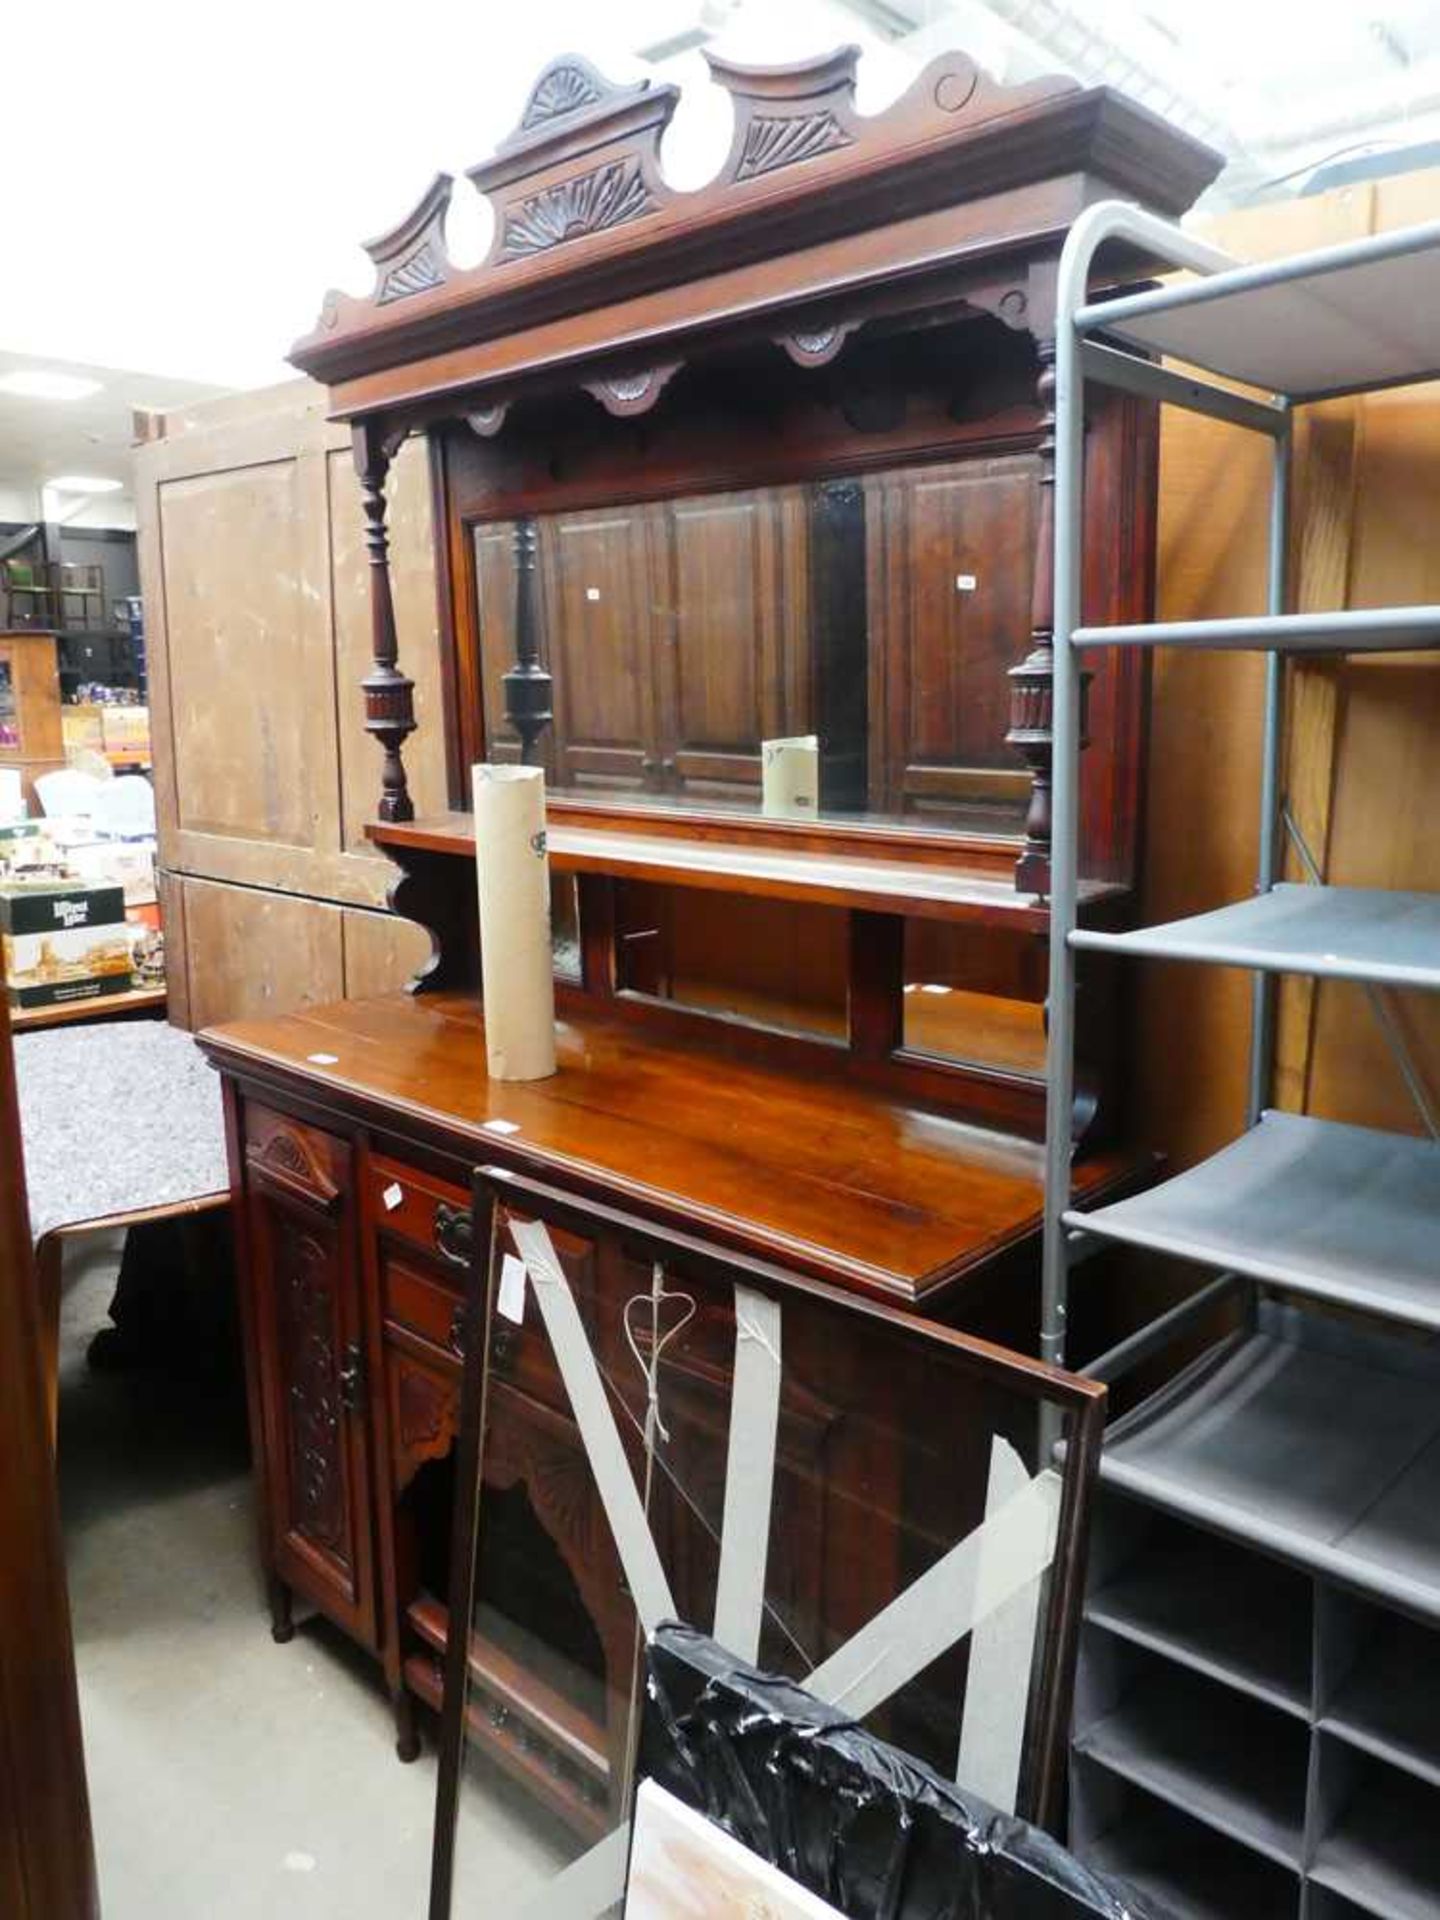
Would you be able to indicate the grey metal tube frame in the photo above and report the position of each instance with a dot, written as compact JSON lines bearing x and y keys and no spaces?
{"x":1076,"y":359}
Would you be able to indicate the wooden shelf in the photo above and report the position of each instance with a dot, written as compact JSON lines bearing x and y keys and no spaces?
{"x":105,"y":1006}
{"x":925,"y":889}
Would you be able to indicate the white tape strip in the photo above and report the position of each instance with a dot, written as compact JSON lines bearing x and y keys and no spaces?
{"x":613,"y":1479}
{"x":589,"y":1887}
{"x":1005,"y":1551}
{"x":749,"y":1474}
{"x":1002,"y":1651}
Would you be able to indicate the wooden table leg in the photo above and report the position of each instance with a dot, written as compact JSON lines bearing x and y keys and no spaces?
{"x":49,"y":1272}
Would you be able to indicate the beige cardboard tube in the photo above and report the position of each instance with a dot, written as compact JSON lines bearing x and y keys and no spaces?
{"x":790,"y":778}
{"x":513,"y":870}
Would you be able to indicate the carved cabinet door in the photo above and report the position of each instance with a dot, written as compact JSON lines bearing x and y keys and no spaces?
{"x":306,"y":1317}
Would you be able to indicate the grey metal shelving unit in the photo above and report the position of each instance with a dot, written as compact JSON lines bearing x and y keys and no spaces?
{"x":1257,"y":1724}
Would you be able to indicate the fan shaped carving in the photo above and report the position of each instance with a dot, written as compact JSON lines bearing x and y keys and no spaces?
{"x":414,"y":275}
{"x":606,"y":197}
{"x":561,"y":89}
{"x":779,"y":140}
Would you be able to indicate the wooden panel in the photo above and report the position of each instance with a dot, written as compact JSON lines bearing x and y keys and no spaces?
{"x":303,"y":1277}
{"x":248,"y":952}
{"x":1361,"y":756}
{"x":952,"y":556}
{"x":412,"y":582}
{"x":595,"y":569}
{"x":825,"y":1175}
{"x":733,"y":641}
{"x":47,"y":1863}
{"x":256,"y":591}
{"x":241,"y":603}
{"x":381,"y":951}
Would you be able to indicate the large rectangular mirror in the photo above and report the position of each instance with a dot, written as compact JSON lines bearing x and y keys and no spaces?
{"x":833,"y":649}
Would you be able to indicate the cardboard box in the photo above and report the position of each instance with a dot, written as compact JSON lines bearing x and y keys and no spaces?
{"x":63,"y":908}
{"x":127,"y":735}
{"x":46,"y":969}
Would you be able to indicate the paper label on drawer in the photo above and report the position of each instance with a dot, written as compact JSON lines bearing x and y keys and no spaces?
{"x":511,"y":1298}
{"x":392,"y":1196}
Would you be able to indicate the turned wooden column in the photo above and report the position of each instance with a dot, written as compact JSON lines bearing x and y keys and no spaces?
{"x":389,"y":694}
{"x":1032,"y":682}
{"x":527,"y":684}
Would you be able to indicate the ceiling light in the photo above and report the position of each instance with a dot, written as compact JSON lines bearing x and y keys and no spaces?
{"x":33,"y":383}
{"x":84,"y":483}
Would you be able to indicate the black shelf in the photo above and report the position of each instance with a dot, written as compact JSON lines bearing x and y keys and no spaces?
{"x":1228,"y":1761}
{"x":1232,"y":1615}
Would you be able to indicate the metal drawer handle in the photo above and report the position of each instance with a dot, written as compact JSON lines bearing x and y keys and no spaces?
{"x":454,"y":1234}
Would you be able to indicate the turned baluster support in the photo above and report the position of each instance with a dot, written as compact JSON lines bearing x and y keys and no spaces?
{"x":389,"y":694}
{"x":1032,"y":681}
{"x":527,"y":684}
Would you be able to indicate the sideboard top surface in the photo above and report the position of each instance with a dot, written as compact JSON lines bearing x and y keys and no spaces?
{"x":834,"y":1179}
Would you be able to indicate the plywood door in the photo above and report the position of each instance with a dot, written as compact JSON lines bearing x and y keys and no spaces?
{"x":733,"y":660}
{"x":257,"y":603}
{"x":952,"y":559}
{"x":245,"y":952}
{"x":598,"y":614}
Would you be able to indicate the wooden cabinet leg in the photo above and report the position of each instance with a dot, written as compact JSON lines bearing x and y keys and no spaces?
{"x":49,"y":1270}
{"x":282,"y":1619}
{"x":407,"y":1727}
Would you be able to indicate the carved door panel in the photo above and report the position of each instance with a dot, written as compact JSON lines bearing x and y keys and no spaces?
{"x":949,"y":614}
{"x":306,"y":1305}
{"x":597,"y":613}
{"x":732,"y":668}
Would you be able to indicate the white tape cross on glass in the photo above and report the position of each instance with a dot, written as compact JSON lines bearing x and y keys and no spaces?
{"x":991,"y":1576}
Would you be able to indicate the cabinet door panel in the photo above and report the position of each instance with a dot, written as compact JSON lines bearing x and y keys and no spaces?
{"x":950,"y":614}
{"x":305,"y":1281}
{"x":595,"y":577}
{"x":734,"y":644}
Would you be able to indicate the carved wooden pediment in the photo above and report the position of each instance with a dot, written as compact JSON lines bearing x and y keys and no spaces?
{"x":584,"y":158}
{"x":585,"y":221}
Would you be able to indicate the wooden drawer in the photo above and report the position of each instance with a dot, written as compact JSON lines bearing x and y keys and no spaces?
{"x":294,"y":1161}
{"x":424,"y":1305}
{"x":426,"y":1213}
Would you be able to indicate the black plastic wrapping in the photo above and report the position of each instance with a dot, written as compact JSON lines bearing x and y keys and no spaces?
{"x":880,"y":1836}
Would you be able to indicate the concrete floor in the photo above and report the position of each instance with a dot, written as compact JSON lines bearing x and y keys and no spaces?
{"x":230,"y":1778}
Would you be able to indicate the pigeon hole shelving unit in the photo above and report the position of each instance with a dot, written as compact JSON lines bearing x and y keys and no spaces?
{"x":1257,"y":1726}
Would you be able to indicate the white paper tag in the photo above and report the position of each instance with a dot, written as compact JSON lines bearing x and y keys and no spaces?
{"x":393,"y":1195}
{"x":965,"y":583}
{"x":511,"y":1298}
{"x":500,"y":1126}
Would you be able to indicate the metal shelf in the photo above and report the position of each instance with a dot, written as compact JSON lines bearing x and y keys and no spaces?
{"x":1335,"y":933}
{"x":1360,"y":630}
{"x":1341,"y":320}
{"x":1343,"y":1214}
{"x":1310,"y":1439}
